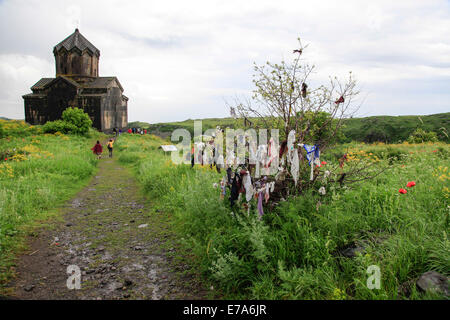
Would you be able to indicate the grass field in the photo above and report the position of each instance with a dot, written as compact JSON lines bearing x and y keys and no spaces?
{"x":293,"y":252}
{"x":38,"y":172}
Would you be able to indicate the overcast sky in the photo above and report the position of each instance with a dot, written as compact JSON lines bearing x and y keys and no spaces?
{"x":182,"y":59}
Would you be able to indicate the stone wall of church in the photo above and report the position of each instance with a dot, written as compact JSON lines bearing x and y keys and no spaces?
{"x":60,"y":96}
{"x":114,"y":110}
{"x":49,"y":105}
{"x":92,"y":105}
{"x":35,"y":110}
{"x":75,"y":63}
{"x":123,"y":123}
{"x":39,"y":111}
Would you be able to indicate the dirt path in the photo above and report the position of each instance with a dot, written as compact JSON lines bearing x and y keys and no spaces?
{"x":123,"y":248}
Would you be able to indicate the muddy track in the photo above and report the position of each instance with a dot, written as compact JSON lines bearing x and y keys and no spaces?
{"x":123,"y":248}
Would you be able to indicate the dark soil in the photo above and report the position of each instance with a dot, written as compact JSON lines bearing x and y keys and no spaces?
{"x":123,"y":247}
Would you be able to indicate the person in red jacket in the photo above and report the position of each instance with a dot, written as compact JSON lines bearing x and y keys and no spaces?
{"x":97,"y":149}
{"x":129,"y":130}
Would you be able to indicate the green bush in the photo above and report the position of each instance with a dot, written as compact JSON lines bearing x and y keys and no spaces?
{"x":2,"y":131}
{"x":78,"y":118}
{"x":421,"y":136}
{"x":74,"y":121}
{"x":58,"y":126}
{"x":321,"y":127}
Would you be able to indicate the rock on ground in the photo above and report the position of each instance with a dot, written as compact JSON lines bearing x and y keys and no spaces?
{"x":433,"y":281}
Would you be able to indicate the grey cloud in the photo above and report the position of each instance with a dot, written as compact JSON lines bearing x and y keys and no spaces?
{"x":180,"y":59}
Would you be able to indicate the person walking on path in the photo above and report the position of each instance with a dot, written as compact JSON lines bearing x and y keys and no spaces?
{"x":97,"y":149}
{"x":110,"y":147}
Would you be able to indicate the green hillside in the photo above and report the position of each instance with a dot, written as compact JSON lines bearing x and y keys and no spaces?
{"x":389,"y":129}
{"x":394,"y":129}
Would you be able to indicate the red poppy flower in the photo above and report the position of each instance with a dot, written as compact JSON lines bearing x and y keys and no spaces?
{"x":324,"y":162}
{"x":6,"y":159}
{"x":434,"y":150}
{"x":402,"y":191}
{"x":411,"y":184}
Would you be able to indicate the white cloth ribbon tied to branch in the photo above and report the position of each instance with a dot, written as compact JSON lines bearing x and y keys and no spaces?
{"x":295,"y":166}
{"x":247,"y":181}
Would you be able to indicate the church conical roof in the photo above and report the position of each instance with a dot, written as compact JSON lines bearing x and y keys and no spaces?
{"x":77,"y":40}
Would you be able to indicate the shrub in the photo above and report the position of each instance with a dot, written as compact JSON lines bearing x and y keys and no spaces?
{"x":78,"y":118}
{"x":58,"y":126}
{"x":421,"y":136}
{"x":322,"y":127}
{"x":74,"y":120}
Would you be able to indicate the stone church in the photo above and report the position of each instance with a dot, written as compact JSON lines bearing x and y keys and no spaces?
{"x":77,"y":84}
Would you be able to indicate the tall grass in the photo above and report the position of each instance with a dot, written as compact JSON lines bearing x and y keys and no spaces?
{"x":37,"y":173}
{"x":293,"y":252}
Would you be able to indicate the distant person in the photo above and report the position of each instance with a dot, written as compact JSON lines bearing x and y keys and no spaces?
{"x":120,"y":132}
{"x":129,"y":131}
{"x":110,"y":147}
{"x":115,"y":132}
{"x":97,"y":149}
{"x":145,"y":131}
